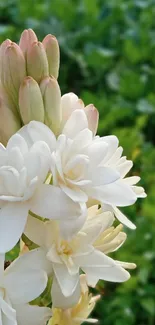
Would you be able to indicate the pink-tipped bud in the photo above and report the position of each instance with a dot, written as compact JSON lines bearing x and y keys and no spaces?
{"x":9,"y":123}
{"x":27,"y":38}
{"x":30,"y":101}
{"x":52,"y":103}
{"x":12,"y":70}
{"x":37,"y":64}
{"x":92,"y":117}
{"x":53,"y":54}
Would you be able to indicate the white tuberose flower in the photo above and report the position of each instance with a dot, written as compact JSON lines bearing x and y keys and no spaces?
{"x":23,"y":170}
{"x":90,"y":168}
{"x":66,"y":258}
{"x":18,"y":286}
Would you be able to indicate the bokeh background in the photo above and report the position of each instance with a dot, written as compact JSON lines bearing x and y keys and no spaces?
{"x":108,"y":58}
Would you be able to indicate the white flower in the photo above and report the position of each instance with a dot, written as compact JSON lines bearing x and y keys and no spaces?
{"x":90,"y":169}
{"x":23,"y":170}
{"x":66,"y":258}
{"x":78,"y":313}
{"x":19,"y":284}
{"x":70,"y":102}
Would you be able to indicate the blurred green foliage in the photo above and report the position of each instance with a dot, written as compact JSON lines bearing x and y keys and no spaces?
{"x":108,"y":58}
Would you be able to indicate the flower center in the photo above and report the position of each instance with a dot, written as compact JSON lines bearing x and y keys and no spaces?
{"x":64,"y":248}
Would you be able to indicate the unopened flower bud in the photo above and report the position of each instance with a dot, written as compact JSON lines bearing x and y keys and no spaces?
{"x":12,"y":70}
{"x":52,"y":97}
{"x":27,"y":38}
{"x":30,"y":101}
{"x":37,"y":64}
{"x":53,"y":54}
{"x":92,"y":117}
{"x":9,"y":123}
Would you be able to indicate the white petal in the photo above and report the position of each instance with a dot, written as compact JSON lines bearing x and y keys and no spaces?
{"x":99,"y":266}
{"x":117,"y":193}
{"x":37,"y":131}
{"x":139,"y":191}
{"x":74,"y":193}
{"x":132,"y":180}
{"x":104,"y":175}
{"x":52,"y":203}
{"x":123,"y":219}
{"x":13,"y":218}
{"x":17,"y":141}
{"x":59,"y":300}
{"x":76,"y":123}
{"x":26,"y":286}
{"x":35,"y":230}
{"x":125,"y":167}
{"x":32,"y":315}
{"x":112,"y":142}
{"x":67,"y":282}
{"x":32,"y":260}
{"x":96,"y":152}
{"x":69,"y":228}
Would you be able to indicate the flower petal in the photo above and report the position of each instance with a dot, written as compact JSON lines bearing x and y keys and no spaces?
{"x":76,"y":123}
{"x":123,"y":219}
{"x":52,"y":203}
{"x":13,"y":218}
{"x":32,"y":315}
{"x":32,"y":260}
{"x":68,"y":283}
{"x":35,"y":231}
{"x":97,"y":266}
{"x":37,"y":131}
{"x":59,"y":300}
{"x":25,"y":286}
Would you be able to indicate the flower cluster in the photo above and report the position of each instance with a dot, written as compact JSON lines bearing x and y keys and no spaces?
{"x":61,"y":190}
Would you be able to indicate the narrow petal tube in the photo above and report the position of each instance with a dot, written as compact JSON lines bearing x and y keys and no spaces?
{"x":51,"y":97}
{"x":53,"y":54}
{"x":37,"y":64}
{"x":30,"y":101}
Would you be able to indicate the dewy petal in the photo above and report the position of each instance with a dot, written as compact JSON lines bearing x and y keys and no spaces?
{"x":52,"y":203}
{"x":32,"y":315}
{"x":76,"y":123}
{"x":123,"y":219}
{"x":67,"y":282}
{"x":26,"y":286}
{"x":37,"y":131}
{"x":13,"y":218}
{"x":59,"y":300}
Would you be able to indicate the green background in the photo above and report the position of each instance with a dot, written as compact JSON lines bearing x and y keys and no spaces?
{"x":108,"y":59}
